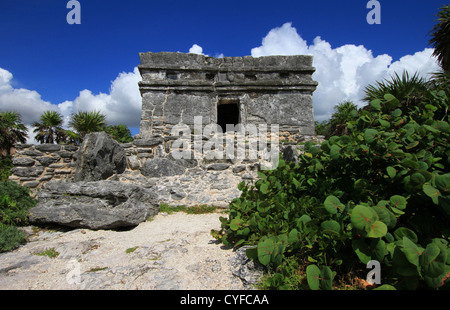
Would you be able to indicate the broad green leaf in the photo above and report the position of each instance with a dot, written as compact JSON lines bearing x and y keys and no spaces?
{"x":370,"y":135}
{"x":334,"y":152}
{"x":384,"y":123}
{"x":376,"y":104}
{"x":396,"y":113}
{"x":264,"y":188}
{"x":401,"y":265}
{"x":252,"y":253}
{"x":428,"y":262}
{"x":293,"y":236}
{"x":313,"y":277}
{"x":383,"y":215}
{"x":326,"y":278}
{"x":401,"y":232}
{"x":376,"y":230}
{"x":398,"y":202}
{"x":412,"y":145}
{"x":332,"y":204}
{"x":411,"y":251}
{"x":265,"y":249}
{"x":391,"y":101}
{"x":417,"y":179}
{"x":330,"y":227}
{"x":391,"y":172}
{"x":236,"y":223}
{"x":362,"y":217}
{"x":443,"y":183}
{"x":432,"y":192}
{"x":262,"y":175}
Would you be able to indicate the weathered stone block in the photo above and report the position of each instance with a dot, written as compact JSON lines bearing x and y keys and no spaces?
{"x":148,"y":142}
{"x":98,"y":158}
{"x":95,"y":205}
{"x":27,"y":172}
{"x":48,"y":147}
{"x":23,"y":162}
{"x":159,"y":167}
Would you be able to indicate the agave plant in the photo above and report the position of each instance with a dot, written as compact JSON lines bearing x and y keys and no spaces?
{"x":409,"y":90}
{"x":49,"y":129}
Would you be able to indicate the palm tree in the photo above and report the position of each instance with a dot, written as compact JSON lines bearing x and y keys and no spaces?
{"x":343,"y":113}
{"x":85,"y":122}
{"x":440,"y":38}
{"x":12,"y":130}
{"x":121,"y":133}
{"x":49,"y":128}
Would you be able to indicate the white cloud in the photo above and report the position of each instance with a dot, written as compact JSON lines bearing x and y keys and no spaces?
{"x":26,"y":102}
{"x":122,"y":104}
{"x":342,"y":72}
{"x":196,"y":49}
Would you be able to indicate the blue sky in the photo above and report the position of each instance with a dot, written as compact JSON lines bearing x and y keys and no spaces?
{"x":45,"y":63}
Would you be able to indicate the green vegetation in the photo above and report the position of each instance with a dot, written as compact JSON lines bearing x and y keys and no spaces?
{"x":131,"y":250}
{"x":52,"y":253}
{"x":10,"y":237}
{"x":15,"y":202}
{"x":440,"y":38}
{"x":120,"y":133}
{"x":12,"y":131}
{"x":379,"y":192}
{"x":200,"y":209}
{"x":49,"y":129}
{"x":96,"y":269}
{"x":378,"y":189}
{"x":85,"y":122}
{"x":5,"y":167}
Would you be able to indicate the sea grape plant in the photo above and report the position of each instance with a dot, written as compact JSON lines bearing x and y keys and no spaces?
{"x":380,"y":192}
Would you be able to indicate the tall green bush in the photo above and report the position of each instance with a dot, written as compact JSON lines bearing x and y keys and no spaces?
{"x":380,"y":192}
{"x":15,"y":202}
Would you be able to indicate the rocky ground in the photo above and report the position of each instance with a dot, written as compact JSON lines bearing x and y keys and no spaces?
{"x":172,"y":252}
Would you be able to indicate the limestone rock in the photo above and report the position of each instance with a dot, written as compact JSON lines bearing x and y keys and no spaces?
{"x":94,"y":205}
{"x":99,"y":157}
{"x":159,"y":167}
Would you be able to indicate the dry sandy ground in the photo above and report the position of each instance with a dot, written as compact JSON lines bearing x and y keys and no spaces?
{"x":173,"y":251}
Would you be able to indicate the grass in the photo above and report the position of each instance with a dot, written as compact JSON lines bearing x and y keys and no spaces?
{"x":131,"y":250}
{"x":95,"y":269}
{"x":199,"y":209}
{"x":52,"y":253}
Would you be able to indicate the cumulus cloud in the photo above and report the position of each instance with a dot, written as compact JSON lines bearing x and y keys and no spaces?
{"x":342,"y":72}
{"x":122,"y":105}
{"x":196,"y":49}
{"x":26,"y":102}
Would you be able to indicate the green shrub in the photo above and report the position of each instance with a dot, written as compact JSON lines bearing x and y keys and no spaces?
{"x":380,"y":192}
{"x":15,"y":202}
{"x":5,"y":167}
{"x":10,"y":237}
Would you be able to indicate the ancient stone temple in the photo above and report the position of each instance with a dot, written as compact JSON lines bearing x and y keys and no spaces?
{"x":177,"y":87}
{"x":263,"y":106}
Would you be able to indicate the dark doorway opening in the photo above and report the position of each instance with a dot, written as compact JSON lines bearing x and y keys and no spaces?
{"x":228,"y":114}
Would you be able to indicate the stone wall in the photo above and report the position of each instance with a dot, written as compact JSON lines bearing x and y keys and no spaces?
{"x":178,"y":87}
{"x":36,"y":164}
